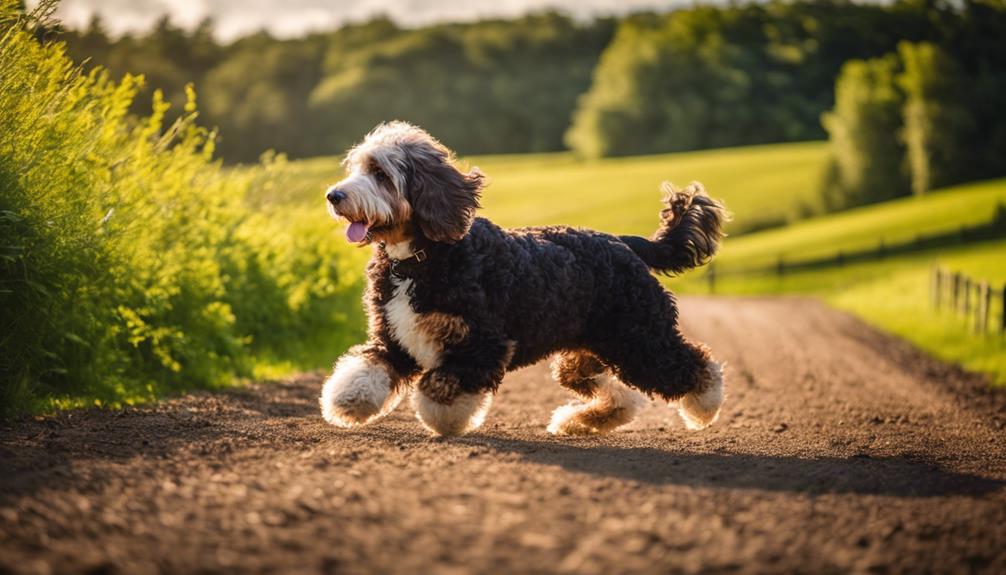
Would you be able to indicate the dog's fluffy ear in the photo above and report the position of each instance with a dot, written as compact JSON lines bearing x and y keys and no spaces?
{"x":443,"y":199}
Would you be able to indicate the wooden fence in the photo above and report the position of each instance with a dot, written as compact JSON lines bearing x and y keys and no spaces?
{"x":994,"y":228}
{"x":970,"y":299}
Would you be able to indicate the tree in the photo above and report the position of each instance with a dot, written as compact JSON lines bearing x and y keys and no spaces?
{"x":937,"y":124}
{"x":258,"y":97}
{"x":864,"y":127}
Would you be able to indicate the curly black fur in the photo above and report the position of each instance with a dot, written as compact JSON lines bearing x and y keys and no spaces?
{"x":528,"y":293}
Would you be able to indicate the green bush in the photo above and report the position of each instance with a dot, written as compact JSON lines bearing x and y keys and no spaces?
{"x":130,"y":263}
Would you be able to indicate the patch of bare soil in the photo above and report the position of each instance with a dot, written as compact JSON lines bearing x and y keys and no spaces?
{"x":840,"y":449}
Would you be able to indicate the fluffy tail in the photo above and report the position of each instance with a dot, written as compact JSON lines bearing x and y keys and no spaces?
{"x":691,"y":227}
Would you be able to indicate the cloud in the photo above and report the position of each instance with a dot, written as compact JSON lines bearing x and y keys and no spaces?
{"x":296,"y":17}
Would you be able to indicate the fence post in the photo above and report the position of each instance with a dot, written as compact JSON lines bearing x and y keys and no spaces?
{"x":966,"y":304}
{"x":881,"y":249}
{"x":935,"y":287}
{"x":711,"y":277}
{"x":780,"y":266}
{"x":982,"y":321}
{"x":955,"y":297}
{"x":1002,"y":323}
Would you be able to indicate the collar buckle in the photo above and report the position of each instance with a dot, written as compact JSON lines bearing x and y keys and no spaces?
{"x":420,"y":255}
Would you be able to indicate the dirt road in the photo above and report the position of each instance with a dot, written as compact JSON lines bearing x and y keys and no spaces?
{"x":839,"y":450}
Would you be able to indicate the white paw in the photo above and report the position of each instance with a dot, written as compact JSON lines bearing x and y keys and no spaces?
{"x":701,"y":409}
{"x":614,"y":405}
{"x":357,"y":393}
{"x":565,"y":420}
{"x":466,"y":413}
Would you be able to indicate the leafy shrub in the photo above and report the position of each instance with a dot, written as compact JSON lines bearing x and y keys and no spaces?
{"x":130,"y":263}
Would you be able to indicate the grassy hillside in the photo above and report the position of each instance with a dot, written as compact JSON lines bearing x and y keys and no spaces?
{"x":761,"y":185}
{"x":894,"y":222}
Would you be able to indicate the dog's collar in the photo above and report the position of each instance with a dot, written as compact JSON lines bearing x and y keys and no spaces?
{"x":405,"y":267}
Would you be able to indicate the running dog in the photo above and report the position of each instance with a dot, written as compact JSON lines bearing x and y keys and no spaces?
{"x":454,"y":301}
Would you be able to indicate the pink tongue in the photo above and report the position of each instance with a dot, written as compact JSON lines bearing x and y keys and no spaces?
{"x":356,"y":231}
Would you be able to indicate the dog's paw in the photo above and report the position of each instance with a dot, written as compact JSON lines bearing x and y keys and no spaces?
{"x":701,"y":408}
{"x":357,"y":393}
{"x":466,"y":412}
{"x":566,"y":420}
{"x":613,"y":406}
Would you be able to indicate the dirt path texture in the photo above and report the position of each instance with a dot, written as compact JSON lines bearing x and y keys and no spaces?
{"x":839,"y":449}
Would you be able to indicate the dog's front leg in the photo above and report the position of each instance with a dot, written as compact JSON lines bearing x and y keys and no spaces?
{"x":366,"y":384}
{"x":454,"y":397}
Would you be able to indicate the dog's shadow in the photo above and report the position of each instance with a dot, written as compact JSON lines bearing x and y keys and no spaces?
{"x":900,"y":476}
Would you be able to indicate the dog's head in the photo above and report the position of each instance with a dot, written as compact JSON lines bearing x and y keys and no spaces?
{"x":402,"y":182}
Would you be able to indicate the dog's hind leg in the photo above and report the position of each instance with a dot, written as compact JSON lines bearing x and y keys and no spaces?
{"x":675,"y":369}
{"x":606,"y":403}
{"x":700,"y":407}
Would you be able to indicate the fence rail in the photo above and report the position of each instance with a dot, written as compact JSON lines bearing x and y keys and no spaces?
{"x":953,"y":291}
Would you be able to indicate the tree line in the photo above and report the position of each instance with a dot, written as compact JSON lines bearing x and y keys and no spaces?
{"x":909,"y":92}
{"x":491,"y":87}
{"x":924,"y":115}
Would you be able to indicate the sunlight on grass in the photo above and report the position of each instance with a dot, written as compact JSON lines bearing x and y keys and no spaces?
{"x":900,"y":304}
{"x":760,"y":185}
{"x":895,"y":222}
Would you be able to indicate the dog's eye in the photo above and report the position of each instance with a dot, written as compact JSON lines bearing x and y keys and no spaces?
{"x":380,"y":175}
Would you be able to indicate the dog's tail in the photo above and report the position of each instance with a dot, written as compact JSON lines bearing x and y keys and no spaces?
{"x":691,"y":227}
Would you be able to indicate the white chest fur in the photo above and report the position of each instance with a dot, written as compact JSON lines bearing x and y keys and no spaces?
{"x":403,"y":323}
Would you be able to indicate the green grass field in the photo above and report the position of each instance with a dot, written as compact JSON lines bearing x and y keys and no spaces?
{"x":893,"y":222}
{"x":761,"y":184}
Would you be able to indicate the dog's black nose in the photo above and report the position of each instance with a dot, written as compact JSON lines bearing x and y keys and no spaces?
{"x":335,"y":196}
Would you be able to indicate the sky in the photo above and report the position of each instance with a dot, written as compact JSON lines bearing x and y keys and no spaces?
{"x":287,"y":18}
